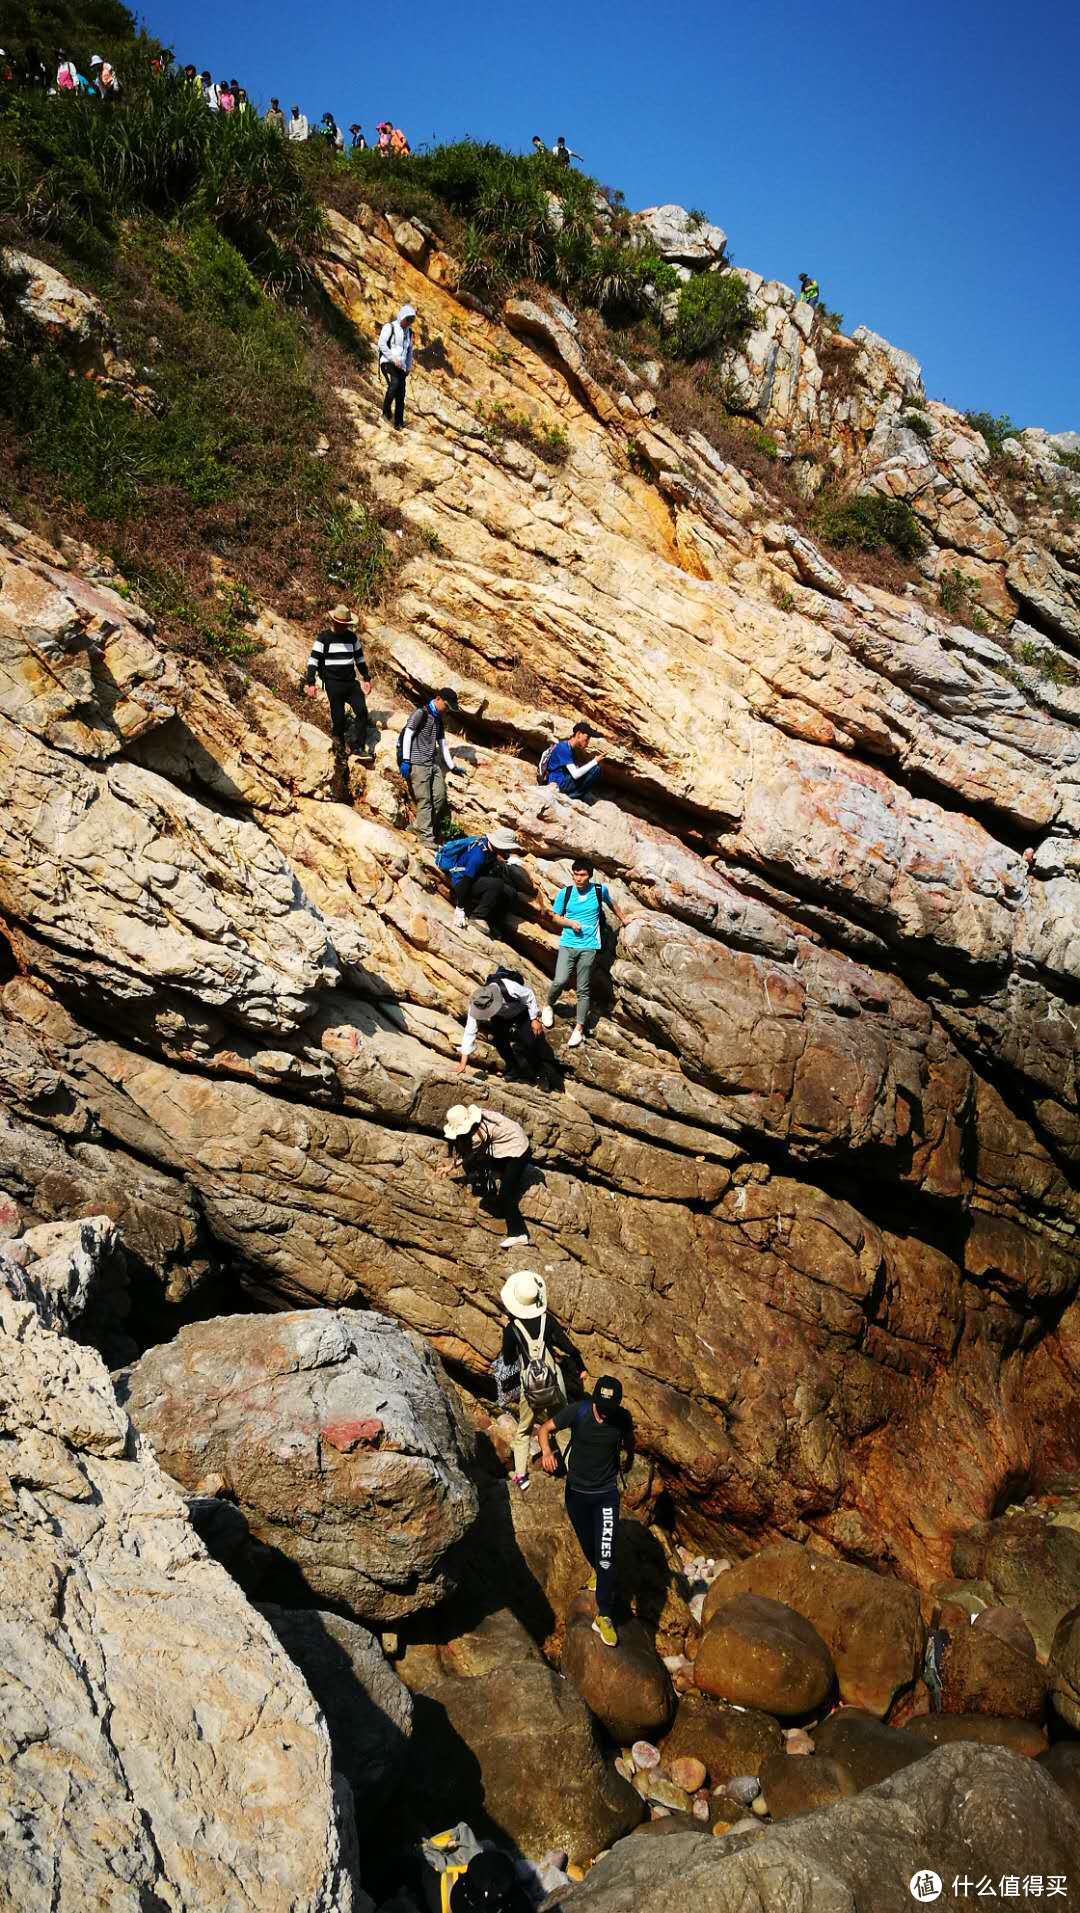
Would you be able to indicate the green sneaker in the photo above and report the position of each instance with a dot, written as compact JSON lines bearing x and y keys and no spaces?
{"x":590,"y":1585}
{"x":603,"y":1626}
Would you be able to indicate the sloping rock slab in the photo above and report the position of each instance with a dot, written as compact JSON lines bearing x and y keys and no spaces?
{"x":966,"y":1810}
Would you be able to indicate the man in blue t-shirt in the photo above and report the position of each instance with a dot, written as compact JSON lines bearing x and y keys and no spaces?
{"x":570,"y":767}
{"x":578,"y":909}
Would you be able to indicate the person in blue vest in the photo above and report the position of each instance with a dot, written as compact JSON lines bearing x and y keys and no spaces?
{"x":480,"y":880}
{"x":579,"y":910}
{"x":572,"y":766}
{"x":600,"y":1454}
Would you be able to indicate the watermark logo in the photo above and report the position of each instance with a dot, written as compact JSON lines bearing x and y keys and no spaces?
{"x":925,"y":1886}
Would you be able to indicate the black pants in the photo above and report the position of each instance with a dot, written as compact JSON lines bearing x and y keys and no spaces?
{"x":595,"y":1521}
{"x":484,"y":897}
{"x":340,"y":697}
{"x":523,"y":1052}
{"x":395,"y":393}
{"x":510,"y":1173}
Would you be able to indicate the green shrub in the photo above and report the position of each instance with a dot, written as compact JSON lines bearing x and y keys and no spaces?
{"x":915,"y":422}
{"x":869,"y":521}
{"x":714,"y":316}
{"x":995,"y":430}
{"x":549,"y":442}
{"x":1071,"y":460}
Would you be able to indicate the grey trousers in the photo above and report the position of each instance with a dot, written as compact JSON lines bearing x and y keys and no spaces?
{"x":568,"y":961}
{"x":428,"y":783}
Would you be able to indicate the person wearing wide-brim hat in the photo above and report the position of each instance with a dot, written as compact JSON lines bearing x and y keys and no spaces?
{"x":528,"y":1368}
{"x":505,"y":1008}
{"x":336,"y":657}
{"x":491,"y":1152}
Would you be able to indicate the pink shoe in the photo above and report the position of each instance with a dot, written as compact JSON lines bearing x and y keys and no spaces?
{"x":522,"y":1482}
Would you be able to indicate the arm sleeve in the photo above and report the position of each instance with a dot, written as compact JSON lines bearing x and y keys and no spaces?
{"x":469,"y":1036}
{"x":567,"y":1415}
{"x":360,"y":661}
{"x":384,"y":338}
{"x":447,"y":756}
{"x":580,"y":770}
{"x":510,"y":1350}
{"x":407,"y":736}
{"x":559,"y":1339}
{"x":628,"y":1446}
{"x":526,"y":995}
{"x":315,"y":659}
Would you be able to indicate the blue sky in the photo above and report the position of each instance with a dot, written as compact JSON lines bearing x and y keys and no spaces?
{"x":923,"y":161}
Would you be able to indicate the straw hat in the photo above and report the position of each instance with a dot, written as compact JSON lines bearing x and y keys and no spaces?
{"x":460,"y":1119}
{"x":342,"y":615}
{"x":524,"y":1293}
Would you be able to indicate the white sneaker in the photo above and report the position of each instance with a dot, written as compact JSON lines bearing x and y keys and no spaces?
{"x":460,"y":919}
{"x":547,"y":1016}
{"x":511,"y":1241}
{"x":577,"y":1035}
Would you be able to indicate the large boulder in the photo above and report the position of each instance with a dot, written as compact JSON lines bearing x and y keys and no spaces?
{"x":627,"y":1687}
{"x":759,"y":1653}
{"x":337,"y":1436}
{"x":868,"y":1750}
{"x":729,"y":1740}
{"x":870,"y":1622}
{"x":161,"y":1749}
{"x":368,"y":1710}
{"x":1064,"y":1667}
{"x":971,"y":1811}
{"x":940,"y":1730}
{"x":1031,"y":1564}
{"x":682,"y":238}
{"x":503,"y":1741}
{"x":981,"y":1673}
{"x":793,"y":1784}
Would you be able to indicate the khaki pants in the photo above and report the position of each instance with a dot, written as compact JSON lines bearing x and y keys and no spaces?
{"x":526,"y":1422}
{"x":428,"y":782}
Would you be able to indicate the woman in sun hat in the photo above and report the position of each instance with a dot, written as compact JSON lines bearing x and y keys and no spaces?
{"x":528,"y":1367}
{"x":492,"y":1152}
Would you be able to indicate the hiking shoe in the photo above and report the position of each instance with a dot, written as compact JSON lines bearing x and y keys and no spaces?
{"x":522,"y":1482}
{"x":460,"y":919}
{"x":577,"y":1035}
{"x":511,"y":1241}
{"x":590,"y":1585}
{"x":547,"y":1016}
{"x":604,"y":1627}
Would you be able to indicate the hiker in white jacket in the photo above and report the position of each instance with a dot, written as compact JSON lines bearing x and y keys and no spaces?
{"x":395,"y":362}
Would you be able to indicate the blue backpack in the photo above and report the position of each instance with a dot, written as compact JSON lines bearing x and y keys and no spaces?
{"x":462,"y":857}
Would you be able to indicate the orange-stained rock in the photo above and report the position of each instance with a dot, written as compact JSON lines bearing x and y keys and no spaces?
{"x":759,"y":1653}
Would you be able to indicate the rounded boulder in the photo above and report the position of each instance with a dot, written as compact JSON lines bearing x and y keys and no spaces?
{"x":760,"y":1653}
{"x":791,"y":1784}
{"x":729,"y":1740}
{"x":627,"y":1687}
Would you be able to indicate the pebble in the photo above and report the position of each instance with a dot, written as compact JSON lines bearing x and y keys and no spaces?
{"x":660,"y":1813}
{"x":624,"y":1767}
{"x":745,"y":1825}
{"x":744,"y":1788}
{"x":663,"y":1793}
{"x":697,"y":1606}
{"x":760,"y":1807}
{"x":701,"y":1809}
{"x":644,"y":1755}
{"x":797,"y":1741}
{"x":688,"y":1773}
{"x":555,"y":1857}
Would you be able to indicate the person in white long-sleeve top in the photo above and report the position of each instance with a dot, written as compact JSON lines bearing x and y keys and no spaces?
{"x":298,"y":124}
{"x":506,"y":1009}
{"x":395,"y":362}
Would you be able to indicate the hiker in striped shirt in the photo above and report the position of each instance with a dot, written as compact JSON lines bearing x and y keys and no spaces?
{"x":337,"y":656}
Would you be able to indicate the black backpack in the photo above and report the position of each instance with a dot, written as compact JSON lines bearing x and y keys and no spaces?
{"x":502,"y":975}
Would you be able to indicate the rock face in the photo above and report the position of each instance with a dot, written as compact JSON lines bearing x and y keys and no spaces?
{"x":759,"y":1653}
{"x":827,"y":1126}
{"x":870,"y":1622}
{"x":1064,"y":1668}
{"x":503,"y":1741}
{"x":334,"y":1433}
{"x":982,"y":1674}
{"x":160,"y":1747}
{"x":964,"y":1811}
{"x":368,"y":1710}
{"x":1030,"y":1563}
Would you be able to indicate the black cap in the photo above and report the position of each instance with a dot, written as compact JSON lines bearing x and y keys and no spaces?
{"x":488,"y":1880}
{"x":607,"y":1396}
{"x":448,"y":697}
